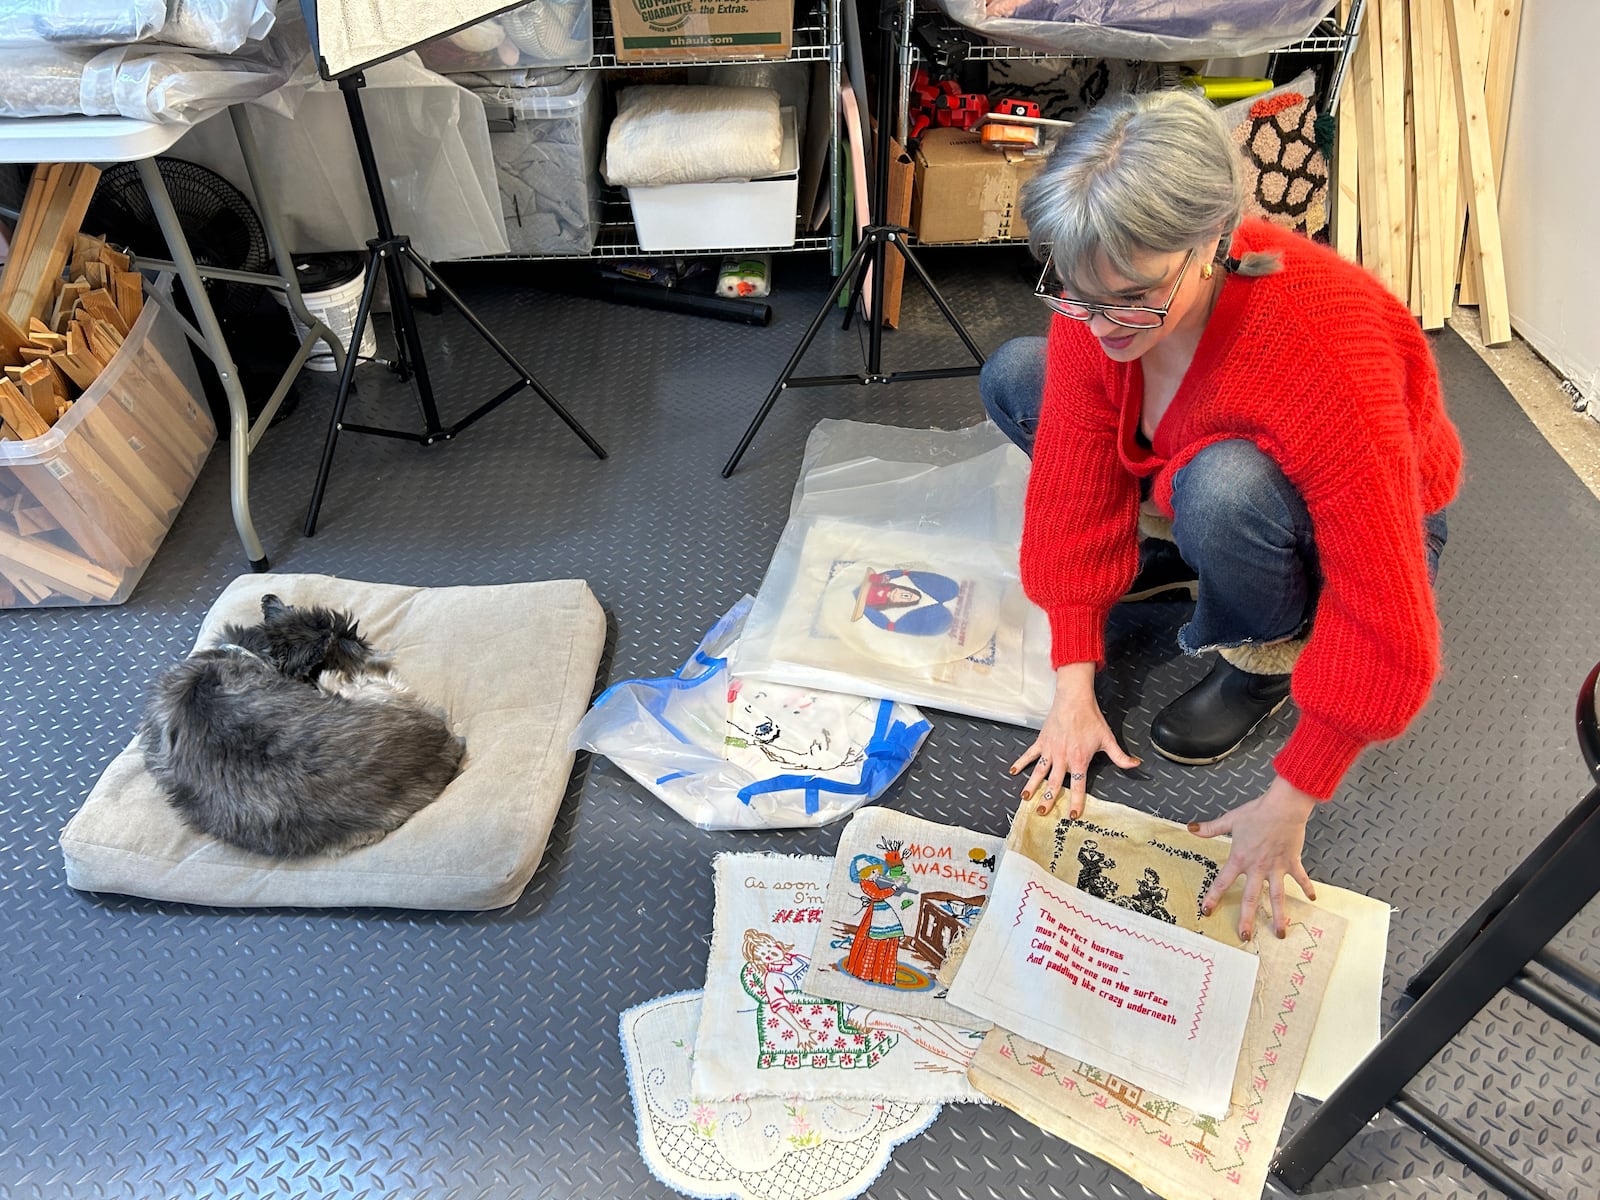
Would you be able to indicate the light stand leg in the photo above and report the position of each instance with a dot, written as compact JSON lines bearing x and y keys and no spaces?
{"x":851,"y":270}
{"x":388,"y":255}
{"x":347,"y":378}
{"x":527,"y":379}
{"x":870,"y":255}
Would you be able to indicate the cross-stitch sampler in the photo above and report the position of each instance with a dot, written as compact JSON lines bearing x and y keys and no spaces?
{"x":896,"y":575}
{"x":902,"y":891}
{"x":762,"y":1033}
{"x":1136,"y":861}
{"x":1159,"y":868}
{"x":760,"y":1148}
{"x":1149,"y":1001}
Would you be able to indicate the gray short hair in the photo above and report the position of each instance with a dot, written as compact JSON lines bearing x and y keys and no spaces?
{"x":1150,"y":173}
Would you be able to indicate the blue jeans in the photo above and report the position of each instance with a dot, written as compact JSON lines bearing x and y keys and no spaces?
{"x":1237,"y":520}
{"x":1012,"y":386}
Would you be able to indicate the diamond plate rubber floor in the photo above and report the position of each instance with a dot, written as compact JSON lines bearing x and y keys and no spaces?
{"x":157,"y":1050}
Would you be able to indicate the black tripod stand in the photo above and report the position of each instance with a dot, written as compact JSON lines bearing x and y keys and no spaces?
{"x":870,"y":255}
{"x":388,"y":254}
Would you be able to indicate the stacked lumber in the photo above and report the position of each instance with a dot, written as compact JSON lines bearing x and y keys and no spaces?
{"x":1421,"y":143}
{"x":83,"y":507}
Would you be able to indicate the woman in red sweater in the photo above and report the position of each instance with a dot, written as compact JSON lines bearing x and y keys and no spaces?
{"x":1230,"y":409}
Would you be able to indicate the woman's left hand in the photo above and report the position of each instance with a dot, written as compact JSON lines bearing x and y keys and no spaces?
{"x":1268,"y":834}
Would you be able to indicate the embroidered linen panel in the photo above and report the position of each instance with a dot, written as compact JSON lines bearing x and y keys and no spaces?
{"x":754,"y":1149}
{"x":1161,"y":1007}
{"x":901,"y":892}
{"x":1175,"y":1151}
{"x":763,"y":1032}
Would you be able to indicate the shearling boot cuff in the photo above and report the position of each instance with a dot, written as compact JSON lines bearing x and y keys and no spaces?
{"x":1152,"y":524}
{"x":1277,"y":658}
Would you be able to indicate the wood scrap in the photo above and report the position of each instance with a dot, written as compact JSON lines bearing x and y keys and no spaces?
{"x":1489,"y":266}
{"x":1428,"y":112}
{"x":52,"y":211}
{"x":85,"y":512}
{"x":34,"y":559}
{"x":19,"y":414}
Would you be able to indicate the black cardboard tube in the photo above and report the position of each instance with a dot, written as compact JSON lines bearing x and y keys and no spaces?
{"x":648,"y":295}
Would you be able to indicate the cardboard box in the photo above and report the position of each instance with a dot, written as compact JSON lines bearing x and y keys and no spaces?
{"x":754,"y":214}
{"x":966,"y":191}
{"x":647,"y":30}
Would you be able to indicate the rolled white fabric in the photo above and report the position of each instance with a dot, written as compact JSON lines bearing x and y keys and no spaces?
{"x":686,"y":134}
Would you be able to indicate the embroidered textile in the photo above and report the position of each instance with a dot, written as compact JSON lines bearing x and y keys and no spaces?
{"x":1180,"y":1154}
{"x":902,"y":891}
{"x":928,"y":619}
{"x":756,"y":1148}
{"x":731,"y":753}
{"x":1163,"y":1008}
{"x":1174,"y":1151}
{"x":763,"y":1032}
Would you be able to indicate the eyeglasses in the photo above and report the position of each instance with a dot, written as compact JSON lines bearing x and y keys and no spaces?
{"x":1129,"y":316}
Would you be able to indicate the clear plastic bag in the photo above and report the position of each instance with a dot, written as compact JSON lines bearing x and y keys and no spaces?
{"x":1152,"y":30}
{"x":150,"y":81}
{"x":429,"y":135}
{"x":897,"y":575}
{"x":726,"y":753}
{"x":79,"y":22}
{"x":218,"y":25}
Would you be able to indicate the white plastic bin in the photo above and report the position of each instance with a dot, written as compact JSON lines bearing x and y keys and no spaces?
{"x":546,"y":141}
{"x":755,"y":214}
{"x":545,"y":33}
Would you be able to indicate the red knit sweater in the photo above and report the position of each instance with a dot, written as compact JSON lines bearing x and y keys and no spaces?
{"x":1328,"y":374}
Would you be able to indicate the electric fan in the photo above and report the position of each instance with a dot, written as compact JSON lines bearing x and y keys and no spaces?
{"x":222,"y":228}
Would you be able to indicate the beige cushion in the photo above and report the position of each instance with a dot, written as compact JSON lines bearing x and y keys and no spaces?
{"x":513,"y":665}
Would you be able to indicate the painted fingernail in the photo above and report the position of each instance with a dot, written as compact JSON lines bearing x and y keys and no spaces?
{"x":1282,"y":933}
{"x":1042,"y":809}
{"x":1013,"y":770}
{"x":1027,"y":793}
{"x":1194,"y":826}
{"x":1207,"y":908}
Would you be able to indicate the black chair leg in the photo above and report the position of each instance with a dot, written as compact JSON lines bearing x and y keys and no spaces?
{"x":1556,"y":892}
{"x":1514,"y":883}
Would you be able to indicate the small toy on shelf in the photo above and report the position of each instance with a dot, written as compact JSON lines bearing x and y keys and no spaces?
{"x":1001,"y":129}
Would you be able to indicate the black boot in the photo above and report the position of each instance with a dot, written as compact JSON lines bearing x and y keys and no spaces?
{"x":1162,"y":574}
{"x":1209,"y":721}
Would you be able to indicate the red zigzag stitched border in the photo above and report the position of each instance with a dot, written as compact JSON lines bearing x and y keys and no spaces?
{"x":1205,"y":984}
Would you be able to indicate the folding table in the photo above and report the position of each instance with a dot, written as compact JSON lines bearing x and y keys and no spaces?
{"x":122,"y":139}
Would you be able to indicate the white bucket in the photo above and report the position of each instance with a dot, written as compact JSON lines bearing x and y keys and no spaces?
{"x":336,"y":308}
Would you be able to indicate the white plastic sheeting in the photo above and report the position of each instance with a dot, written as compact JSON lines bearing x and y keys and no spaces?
{"x":897,"y":575}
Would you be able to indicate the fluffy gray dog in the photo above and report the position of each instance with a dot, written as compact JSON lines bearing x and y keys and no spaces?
{"x":292,"y":738}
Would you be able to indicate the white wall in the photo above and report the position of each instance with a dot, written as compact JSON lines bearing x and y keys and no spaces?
{"x":1550,"y":191}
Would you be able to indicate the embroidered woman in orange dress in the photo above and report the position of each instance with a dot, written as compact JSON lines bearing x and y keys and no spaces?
{"x":875,"y":950}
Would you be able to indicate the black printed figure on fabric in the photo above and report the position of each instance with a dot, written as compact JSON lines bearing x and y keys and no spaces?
{"x":1150,"y":898}
{"x":1147,"y":874}
{"x":1093,"y":878}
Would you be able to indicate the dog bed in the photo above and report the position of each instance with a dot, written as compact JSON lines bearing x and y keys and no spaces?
{"x":513,"y":666}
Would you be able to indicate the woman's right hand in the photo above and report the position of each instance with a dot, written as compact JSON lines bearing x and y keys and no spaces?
{"x":1074,"y":731}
